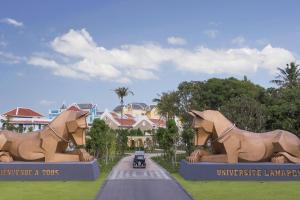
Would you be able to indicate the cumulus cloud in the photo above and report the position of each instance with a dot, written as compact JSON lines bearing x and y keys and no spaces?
{"x":10,"y":58}
{"x":211,"y":33}
{"x":57,"y":69}
{"x":85,"y":59}
{"x":176,"y":40}
{"x":240,"y":41}
{"x":12,"y":22}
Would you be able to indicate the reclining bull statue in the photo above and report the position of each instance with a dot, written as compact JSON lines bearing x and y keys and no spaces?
{"x":231,"y":144}
{"x":50,"y":144}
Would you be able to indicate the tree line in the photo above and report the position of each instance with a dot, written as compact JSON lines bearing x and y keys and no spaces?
{"x":250,"y":106}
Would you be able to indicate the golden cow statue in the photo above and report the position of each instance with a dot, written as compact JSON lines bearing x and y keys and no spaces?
{"x":51,"y":143}
{"x":231,"y":144}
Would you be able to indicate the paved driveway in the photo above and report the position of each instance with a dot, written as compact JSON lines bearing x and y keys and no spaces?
{"x":126,"y":183}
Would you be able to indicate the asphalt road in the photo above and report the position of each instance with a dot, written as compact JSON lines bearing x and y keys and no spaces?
{"x":152,"y":183}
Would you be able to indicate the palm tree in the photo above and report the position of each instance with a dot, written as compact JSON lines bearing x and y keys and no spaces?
{"x":167,"y":104}
{"x":288,"y":76}
{"x":121,"y":93}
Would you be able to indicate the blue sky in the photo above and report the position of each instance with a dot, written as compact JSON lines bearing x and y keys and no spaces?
{"x":78,"y":51}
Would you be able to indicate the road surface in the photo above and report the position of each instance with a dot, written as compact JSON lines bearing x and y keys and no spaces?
{"x":152,"y":183}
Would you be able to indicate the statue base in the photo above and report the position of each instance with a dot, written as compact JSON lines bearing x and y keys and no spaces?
{"x":55,"y":171}
{"x":239,"y":171}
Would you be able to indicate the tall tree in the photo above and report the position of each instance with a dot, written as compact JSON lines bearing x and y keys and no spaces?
{"x":284,"y":109}
{"x":167,"y":139}
{"x":122,"y":141}
{"x":121,"y":93}
{"x":288,"y":76}
{"x":102,"y":137}
{"x":246,"y":112}
{"x":167,"y":104}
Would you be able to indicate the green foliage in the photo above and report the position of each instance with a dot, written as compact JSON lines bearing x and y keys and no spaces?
{"x":167,"y":104}
{"x":101,"y":140}
{"x":203,"y":95}
{"x":135,"y":132}
{"x":188,"y":139}
{"x":121,"y":141}
{"x":245,"y":111}
{"x":30,"y":129}
{"x":122,"y":92}
{"x":284,"y":109}
{"x":249,"y":106}
{"x":167,"y":139}
{"x":167,"y":163}
{"x":6,"y":125}
{"x":159,"y":137}
{"x":289,"y":76}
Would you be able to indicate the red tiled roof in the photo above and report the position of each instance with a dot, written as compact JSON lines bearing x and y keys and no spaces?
{"x":129,"y":115}
{"x":114,"y":114}
{"x":125,"y":122}
{"x":159,"y":122}
{"x":22,"y":112}
{"x":74,"y":108}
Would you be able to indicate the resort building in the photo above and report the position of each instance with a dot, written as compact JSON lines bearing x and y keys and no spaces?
{"x":138,"y":109}
{"x":134,"y":119}
{"x":89,"y":107}
{"x":128,"y":121}
{"x":25,"y":119}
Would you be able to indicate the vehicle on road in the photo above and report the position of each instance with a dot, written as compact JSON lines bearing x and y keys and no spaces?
{"x":139,"y":160}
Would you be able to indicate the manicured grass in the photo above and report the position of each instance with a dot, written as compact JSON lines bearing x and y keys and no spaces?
{"x":168,"y":164}
{"x":54,"y":190}
{"x":241,"y":190}
{"x":235,"y":190}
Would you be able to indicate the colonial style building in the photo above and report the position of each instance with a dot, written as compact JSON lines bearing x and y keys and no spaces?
{"x":146,"y":125}
{"x":25,"y":119}
{"x":135,"y":117}
{"x":138,"y":109}
{"x":89,"y":107}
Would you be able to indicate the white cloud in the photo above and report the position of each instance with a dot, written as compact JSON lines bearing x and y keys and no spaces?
{"x":234,"y":61}
{"x":12,"y":22}
{"x":240,"y":41}
{"x":176,"y":40}
{"x":10,"y":58}
{"x":57,"y":69}
{"x":85,"y":59}
{"x":45,"y":102}
{"x":211,"y":33}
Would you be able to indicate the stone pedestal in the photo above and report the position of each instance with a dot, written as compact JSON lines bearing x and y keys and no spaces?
{"x":49,"y":171}
{"x":239,"y":171}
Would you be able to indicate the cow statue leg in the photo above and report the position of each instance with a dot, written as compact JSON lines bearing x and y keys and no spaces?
{"x":196,"y":155}
{"x":287,"y":147}
{"x":4,"y":156}
{"x":279,"y":159}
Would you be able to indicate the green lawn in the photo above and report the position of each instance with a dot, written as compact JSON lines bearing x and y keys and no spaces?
{"x":235,"y":190}
{"x":241,"y":190}
{"x":53,"y":190}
